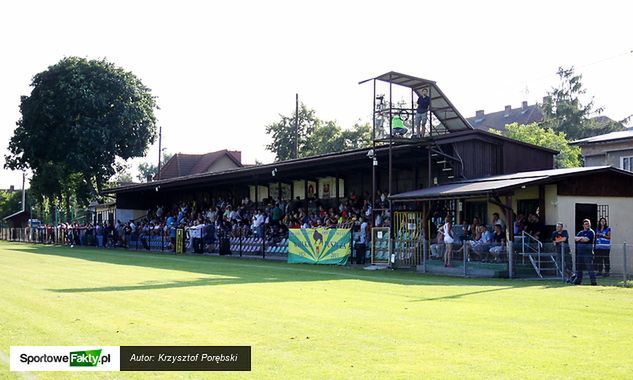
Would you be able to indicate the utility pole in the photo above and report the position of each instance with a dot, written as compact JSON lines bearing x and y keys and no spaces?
{"x":23,"y":191}
{"x":297,"y":126}
{"x":160,"y":150}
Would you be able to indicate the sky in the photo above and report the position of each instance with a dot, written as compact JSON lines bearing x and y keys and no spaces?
{"x":222,"y":71}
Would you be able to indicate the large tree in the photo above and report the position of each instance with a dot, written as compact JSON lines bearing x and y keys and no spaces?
{"x":568,"y":156}
{"x":565,"y":112}
{"x":315,"y":136}
{"x":81,"y":116}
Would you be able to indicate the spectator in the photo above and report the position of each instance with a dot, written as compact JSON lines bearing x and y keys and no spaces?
{"x":421,"y":113}
{"x":497,"y":220}
{"x":498,"y":241}
{"x":560,"y":238}
{"x":603,"y":248}
{"x":449,"y":239}
{"x":584,"y":253}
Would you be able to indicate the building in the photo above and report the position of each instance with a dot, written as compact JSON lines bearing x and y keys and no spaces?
{"x":613,"y":149}
{"x":334,"y":176}
{"x":526,"y":114}
{"x":181,"y":165}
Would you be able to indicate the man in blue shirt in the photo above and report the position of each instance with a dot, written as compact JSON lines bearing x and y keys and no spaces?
{"x":421,"y":112}
{"x":584,"y":253}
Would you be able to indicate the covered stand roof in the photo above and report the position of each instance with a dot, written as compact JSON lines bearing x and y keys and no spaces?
{"x":442,"y":108}
{"x":500,"y":183}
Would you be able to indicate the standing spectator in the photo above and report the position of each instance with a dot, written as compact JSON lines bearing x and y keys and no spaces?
{"x":421,"y":113}
{"x":534,"y":226}
{"x":560,"y":237}
{"x":584,"y":253}
{"x":449,"y":239}
{"x":603,"y":248}
{"x":100,"y":232}
{"x":519,"y":224}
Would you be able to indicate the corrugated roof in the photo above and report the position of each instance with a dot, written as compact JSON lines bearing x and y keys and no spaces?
{"x":482,"y":186}
{"x":620,"y":135}
{"x":441,"y":106}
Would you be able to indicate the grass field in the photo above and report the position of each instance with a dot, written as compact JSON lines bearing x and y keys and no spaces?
{"x":310,"y":322}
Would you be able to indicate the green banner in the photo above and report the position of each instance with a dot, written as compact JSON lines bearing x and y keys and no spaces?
{"x":319,"y":246}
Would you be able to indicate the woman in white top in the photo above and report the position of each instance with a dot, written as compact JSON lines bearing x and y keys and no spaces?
{"x":449,"y":239}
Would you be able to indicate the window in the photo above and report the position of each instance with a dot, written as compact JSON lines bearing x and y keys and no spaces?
{"x":626,"y":163}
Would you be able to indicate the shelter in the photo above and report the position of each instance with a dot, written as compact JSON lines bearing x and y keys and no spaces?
{"x":560,"y":195}
{"x":18,"y":219}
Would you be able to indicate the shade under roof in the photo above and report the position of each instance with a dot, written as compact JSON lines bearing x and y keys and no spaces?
{"x":441,"y":107}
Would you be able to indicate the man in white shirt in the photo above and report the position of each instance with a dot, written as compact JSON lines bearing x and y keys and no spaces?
{"x":195,"y":232}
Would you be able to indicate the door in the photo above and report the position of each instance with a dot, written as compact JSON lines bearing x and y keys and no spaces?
{"x":586,"y":211}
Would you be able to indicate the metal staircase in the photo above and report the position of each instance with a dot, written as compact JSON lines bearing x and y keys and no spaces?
{"x":544,"y":263}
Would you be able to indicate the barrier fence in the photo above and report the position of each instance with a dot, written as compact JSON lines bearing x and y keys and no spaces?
{"x":270,"y":245}
{"x":521,"y":258}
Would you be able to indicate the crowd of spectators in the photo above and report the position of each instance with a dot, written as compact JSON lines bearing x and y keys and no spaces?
{"x":205,"y":224}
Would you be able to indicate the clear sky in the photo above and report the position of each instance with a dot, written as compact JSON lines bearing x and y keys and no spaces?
{"x":223,"y":70}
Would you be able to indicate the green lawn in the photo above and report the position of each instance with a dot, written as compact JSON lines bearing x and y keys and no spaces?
{"x":311,"y":322}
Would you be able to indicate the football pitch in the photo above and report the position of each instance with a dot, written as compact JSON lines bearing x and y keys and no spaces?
{"x":310,"y":322}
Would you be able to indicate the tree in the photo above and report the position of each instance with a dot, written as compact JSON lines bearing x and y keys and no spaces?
{"x":147,"y":171}
{"x":283,"y":133}
{"x":565,"y":112}
{"x":81,"y":116}
{"x":315,"y":136}
{"x":569,"y":156}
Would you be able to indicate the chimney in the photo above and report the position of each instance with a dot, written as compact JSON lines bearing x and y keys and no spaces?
{"x":507,"y":111}
{"x":547,"y":99}
{"x":479,"y":114}
{"x":524,"y":105}
{"x":11,"y":189}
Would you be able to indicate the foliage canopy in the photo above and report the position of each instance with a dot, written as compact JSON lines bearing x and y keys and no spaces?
{"x":568,"y":157}
{"x":81,"y":116}
{"x":315,"y":136}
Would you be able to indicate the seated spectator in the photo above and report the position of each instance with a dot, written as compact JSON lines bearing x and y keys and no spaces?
{"x":437,"y":249}
{"x":498,"y":241}
{"x":496,"y":219}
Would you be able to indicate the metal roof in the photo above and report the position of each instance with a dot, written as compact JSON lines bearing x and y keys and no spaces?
{"x":500,"y":183}
{"x":609,"y":137}
{"x":441,"y":106}
{"x":459,"y":190}
{"x":308,"y":163}
{"x":14,"y":214}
